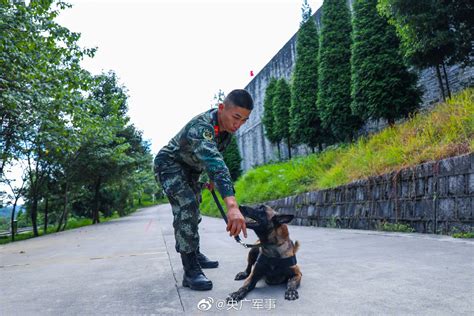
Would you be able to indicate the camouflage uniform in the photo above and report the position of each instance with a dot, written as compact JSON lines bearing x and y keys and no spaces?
{"x":178,"y":167}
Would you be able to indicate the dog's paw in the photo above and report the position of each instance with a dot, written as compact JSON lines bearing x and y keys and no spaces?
{"x":241,"y":276}
{"x":235,"y":296}
{"x":291,"y":294}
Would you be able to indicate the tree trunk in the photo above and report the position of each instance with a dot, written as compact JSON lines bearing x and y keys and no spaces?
{"x":46,"y":217}
{"x":95,"y":212}
{"x":391,"y":122}
{"x":63,"y":214}
{"x":65,"y":210}
{"x":446,"y":79}
{"x":289,"y":148}
{"x":4,"y":154}
{"x":13,"y":218}
{"x":440,"y":82}
{"x":279,"y":152}
{"x":320,"y":147}
{"x":34,"y":214}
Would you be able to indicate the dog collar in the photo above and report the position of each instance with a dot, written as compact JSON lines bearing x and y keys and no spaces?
{"x":280,"y":262}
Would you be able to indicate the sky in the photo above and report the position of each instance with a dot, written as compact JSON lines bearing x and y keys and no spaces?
{"x":173,"y":56}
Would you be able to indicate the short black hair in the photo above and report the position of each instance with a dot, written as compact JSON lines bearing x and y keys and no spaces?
{"x":239,"y":97}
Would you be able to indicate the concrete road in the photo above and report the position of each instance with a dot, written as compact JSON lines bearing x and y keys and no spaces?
{"x":129,"y":266}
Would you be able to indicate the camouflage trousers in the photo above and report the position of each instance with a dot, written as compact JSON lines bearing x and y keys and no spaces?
{"x":184,"y":194}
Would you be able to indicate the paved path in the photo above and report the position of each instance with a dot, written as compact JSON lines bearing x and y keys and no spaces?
{"x":129,"y":266}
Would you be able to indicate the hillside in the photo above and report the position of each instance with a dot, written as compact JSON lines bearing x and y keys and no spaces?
{"x":7,"y":211}
{"x":445,"y":131}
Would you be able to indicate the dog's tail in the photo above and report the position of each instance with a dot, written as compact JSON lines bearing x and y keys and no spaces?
{"x":296,"y":246}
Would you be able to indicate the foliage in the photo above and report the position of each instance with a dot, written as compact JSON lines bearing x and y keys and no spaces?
{"x":233,"y":159}
{"x":396,"y":227}
{"x":281,"y":111}
{"x":70,"y":130}
{"x":382,"y":87}
{"x":334,"y":72}
{"x":463,"y":234}
{"x":433,"y":31}
{"x":446,"y":131}
{"x":268,"y":118}
{"x":305,"y":124}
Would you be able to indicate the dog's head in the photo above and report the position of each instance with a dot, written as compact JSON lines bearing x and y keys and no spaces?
{"x":263,"y":219}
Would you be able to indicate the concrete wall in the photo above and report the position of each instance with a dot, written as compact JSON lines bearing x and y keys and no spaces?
{"x":433,"y":197}
{"x":257,"y":150}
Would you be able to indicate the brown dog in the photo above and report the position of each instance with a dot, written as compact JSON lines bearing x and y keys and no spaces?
{"x":274,"y":259}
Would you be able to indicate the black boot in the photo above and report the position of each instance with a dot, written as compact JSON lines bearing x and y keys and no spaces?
{"x":205,"y":262}
{"x":193,"y":276}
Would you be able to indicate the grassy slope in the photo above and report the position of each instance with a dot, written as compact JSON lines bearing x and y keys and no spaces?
{"x":446,"y":131}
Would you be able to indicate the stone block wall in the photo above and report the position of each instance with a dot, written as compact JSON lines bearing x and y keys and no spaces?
{"x":434,"y":197}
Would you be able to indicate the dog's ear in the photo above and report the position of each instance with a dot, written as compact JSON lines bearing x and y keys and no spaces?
{"x":283,"y":218}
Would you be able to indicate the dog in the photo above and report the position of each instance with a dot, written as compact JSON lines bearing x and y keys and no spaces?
{"x":273,"y":257}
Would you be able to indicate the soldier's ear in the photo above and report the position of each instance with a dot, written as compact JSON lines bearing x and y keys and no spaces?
{"x":283,"y":218}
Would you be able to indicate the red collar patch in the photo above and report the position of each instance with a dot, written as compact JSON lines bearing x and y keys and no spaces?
{"x":216,"y":130}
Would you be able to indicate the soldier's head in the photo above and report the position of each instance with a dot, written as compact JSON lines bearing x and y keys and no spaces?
{"x":235,"y":110}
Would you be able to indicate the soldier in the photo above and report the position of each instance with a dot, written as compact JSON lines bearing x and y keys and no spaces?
{"x":178,"y":166}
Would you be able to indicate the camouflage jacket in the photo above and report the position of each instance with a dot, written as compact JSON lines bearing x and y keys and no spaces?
{"x":197,"y":148}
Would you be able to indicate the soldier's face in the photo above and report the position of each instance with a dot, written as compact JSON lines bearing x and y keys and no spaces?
{"x":232,"y":117}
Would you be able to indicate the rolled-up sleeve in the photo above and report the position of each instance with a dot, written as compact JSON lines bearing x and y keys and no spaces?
{"x":203,"y":144}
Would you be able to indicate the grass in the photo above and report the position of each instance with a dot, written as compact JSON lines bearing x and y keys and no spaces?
{"x":456,"y":233}
{"x":396,"y":227}
{"x":72,"y":223}
{"x":446,"y":131}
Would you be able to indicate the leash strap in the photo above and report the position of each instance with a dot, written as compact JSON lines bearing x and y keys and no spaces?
{"x":221,"y":210}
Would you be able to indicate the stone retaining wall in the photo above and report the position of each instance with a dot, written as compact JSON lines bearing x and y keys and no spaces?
{"x":434,"y":197}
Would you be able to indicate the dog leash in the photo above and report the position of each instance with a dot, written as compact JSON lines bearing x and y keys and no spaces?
{"x":237,"y":238}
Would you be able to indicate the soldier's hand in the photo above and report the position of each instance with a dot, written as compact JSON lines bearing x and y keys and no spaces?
{"x":209,"y":185}
{"x":236,"y":222}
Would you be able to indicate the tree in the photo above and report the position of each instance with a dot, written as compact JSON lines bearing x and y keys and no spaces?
{"x":305,"y":124}
{"x":382,"y":87}
{"x":433,"y":33}
{"x":39,"y":75}
{"x":104,"y":157}
{"x":334,"y":74}
{"x":233,"y":159}
{"x":268,"y":118}
{"x":39,"y":60}
{"x":218,"y":98}
{"x":281,"y":111}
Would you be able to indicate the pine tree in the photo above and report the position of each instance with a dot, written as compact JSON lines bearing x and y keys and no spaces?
{"x":268,"y":119}
{"x":233,"y":159}
{"x":305,"y":125}
{"x":281,"y":112}
{"x":334,"y":76}
{"x":382,"y":87}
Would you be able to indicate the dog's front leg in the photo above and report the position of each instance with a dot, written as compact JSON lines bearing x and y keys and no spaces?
{"x":293,"y":283}
{"x":252,"y":257}
{"x":249,"y":284}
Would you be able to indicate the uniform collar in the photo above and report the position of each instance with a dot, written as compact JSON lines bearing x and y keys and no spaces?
{"x":215,"y":122}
